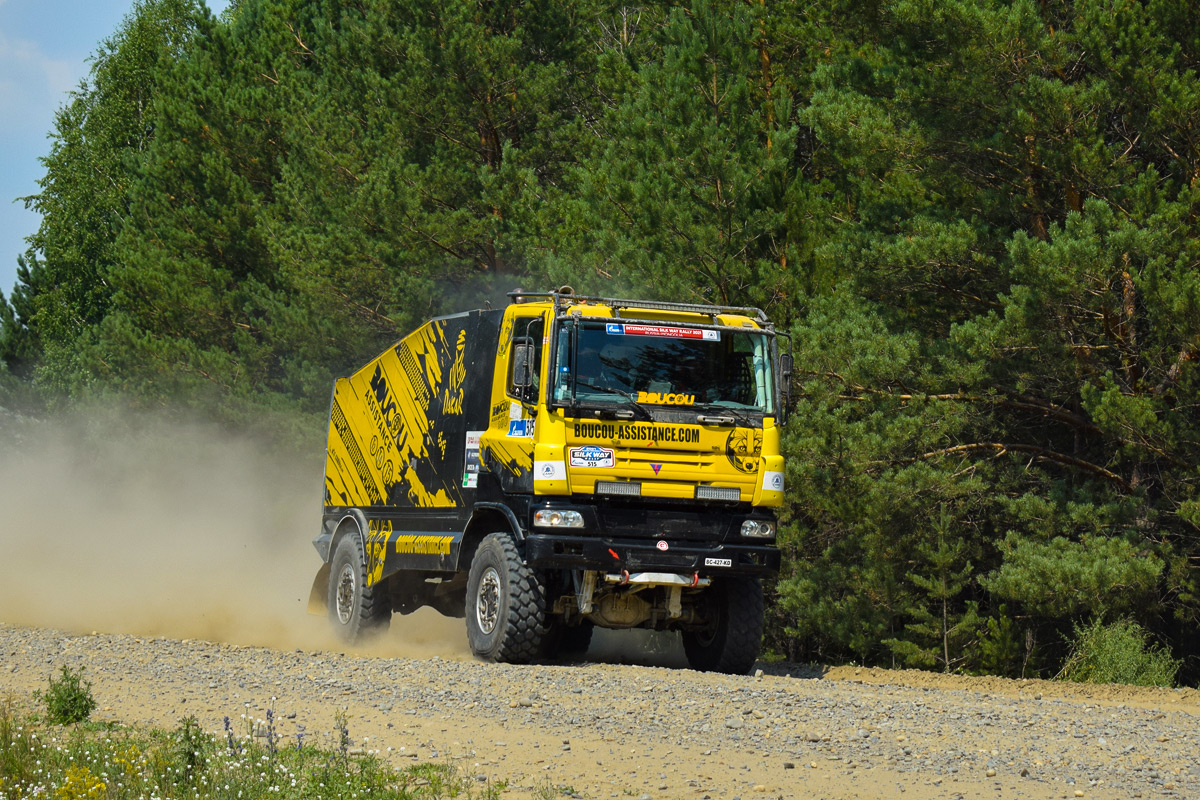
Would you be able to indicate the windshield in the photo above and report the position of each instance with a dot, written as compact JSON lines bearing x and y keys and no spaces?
{"x":612,"y":362}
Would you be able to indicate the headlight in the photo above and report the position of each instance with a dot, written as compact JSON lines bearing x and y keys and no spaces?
{"x":758,"y":529}
{"x":551,"y":518}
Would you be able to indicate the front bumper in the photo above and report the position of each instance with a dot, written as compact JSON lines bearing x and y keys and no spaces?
{"x":710,"y":559}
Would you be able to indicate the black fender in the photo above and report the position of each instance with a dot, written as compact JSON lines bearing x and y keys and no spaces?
{"x":487,"y":518}
{"x":354,"y":522}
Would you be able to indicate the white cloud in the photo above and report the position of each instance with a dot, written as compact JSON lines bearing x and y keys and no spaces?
{"x":32,"y":84}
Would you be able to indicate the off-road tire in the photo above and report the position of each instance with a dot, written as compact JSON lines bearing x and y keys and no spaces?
{"x":505,"y":603}
{"x":731,"y":640}
{"x":577,"y":639}
{"x":357,"y":611}
{"x":561,"y":640}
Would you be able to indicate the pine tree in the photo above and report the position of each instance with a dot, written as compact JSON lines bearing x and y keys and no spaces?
{"x":690,"y":183}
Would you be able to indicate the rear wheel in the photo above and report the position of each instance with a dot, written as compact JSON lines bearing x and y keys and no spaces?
{"x":357,"y":611}
{"x":577,"y":639}
{"x":731,"y":639}
{"x":505,"y":603}
{"x":561,"y":639}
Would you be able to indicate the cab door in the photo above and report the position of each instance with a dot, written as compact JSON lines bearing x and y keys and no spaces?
{"x":507,"y":447}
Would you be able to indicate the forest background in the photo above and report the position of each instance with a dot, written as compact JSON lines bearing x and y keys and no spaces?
{"x":977,"y":219}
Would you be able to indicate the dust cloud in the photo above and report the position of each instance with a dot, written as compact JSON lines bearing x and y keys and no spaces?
{"x":134,"y":523}
{"x":124,"y":523}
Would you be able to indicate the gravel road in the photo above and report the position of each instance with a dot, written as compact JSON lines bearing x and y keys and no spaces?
{"x":604,"y":730}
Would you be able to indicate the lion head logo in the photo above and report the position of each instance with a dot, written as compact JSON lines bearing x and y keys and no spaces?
{"x":743,"y":449}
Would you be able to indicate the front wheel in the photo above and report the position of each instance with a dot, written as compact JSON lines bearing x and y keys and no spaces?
{"x":731,"y":639}
{"x":505,"y":603}
{"x":357,"y":611}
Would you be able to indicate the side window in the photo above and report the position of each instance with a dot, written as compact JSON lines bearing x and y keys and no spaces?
{"x":525,"y":359}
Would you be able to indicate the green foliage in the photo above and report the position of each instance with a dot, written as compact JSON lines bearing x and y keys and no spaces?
{"x":100,"y":140}
{"x":68,"y":699}
{"x":127,"y":764}
{"x":1002,"y":649}
{"x":1062,"y":578}
{"x":1119,"y":652}
{"x":976,"y":219}
{"x":938,"y":636}
{"x":193,"y":748}
{"x":692,"y":178}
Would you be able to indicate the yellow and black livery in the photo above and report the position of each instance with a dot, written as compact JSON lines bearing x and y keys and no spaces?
{"x":620,"y":457}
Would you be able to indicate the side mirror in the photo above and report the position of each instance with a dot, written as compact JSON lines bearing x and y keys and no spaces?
{"x":523,"y":376}
{"x":786,"y":366}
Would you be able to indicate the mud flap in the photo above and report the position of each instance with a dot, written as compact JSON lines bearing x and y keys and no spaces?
{"x":318,"y":596}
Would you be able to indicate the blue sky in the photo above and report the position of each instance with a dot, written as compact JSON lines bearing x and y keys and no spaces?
{"x":44,"y":50}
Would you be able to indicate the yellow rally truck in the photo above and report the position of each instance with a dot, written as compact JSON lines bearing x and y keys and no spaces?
{"x":565,"y":463}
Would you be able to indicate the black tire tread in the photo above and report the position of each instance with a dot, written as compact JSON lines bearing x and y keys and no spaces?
{"x":523,"y":626}
{"x":374,"y":611}
{"x":739,"y":629}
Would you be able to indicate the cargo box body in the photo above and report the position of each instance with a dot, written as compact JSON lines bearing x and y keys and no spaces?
{"x":403,"y":444}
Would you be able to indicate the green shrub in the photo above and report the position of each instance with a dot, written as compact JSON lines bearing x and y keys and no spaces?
{"x":1120,"y":652}
{"x":40,"y":761}
{"x":69,"y":698}
{"x":192,"y":746}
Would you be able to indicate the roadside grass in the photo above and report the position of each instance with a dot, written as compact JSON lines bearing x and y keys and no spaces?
{"x":1119,"y":652}
{"x":103,"y":761}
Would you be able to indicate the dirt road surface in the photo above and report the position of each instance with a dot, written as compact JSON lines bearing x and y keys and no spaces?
{"x":607,"y":730}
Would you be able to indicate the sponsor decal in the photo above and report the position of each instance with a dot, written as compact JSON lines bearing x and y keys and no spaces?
{"x":520,"y":427}
{"x":662,"y":545}
{"x":656,"y":468}
{"x":773,"y":481}
{"x":718,"y":562}
{"x":639,"y":432}
{"x":743,"y":447}
{"x":514,"y":411}
{"x":661,"y":331}
{"x":550,"y":470}
{"x":665,"y":399}
{"x":382,"y":405}
{"x":471,"y":461}
{"x":592,"y":456}
{"x":423,"y":545}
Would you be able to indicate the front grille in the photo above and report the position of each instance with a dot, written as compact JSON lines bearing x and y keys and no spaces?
{"x":628,"y":521}
{"x":728,"y":494}
{"x":634,"y":562}
{"x":619,"y":488}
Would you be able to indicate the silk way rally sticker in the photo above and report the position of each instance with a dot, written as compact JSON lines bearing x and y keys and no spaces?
{"x":662,"y":331}
{"x":592,"y":456}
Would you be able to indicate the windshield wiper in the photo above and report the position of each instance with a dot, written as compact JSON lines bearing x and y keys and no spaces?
{"x":727,"y":416}
{"x":627,"y":413}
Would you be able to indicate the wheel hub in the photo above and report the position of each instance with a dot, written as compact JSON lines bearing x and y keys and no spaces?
{"x":345,"y":594}
{"x":487,"y":601}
